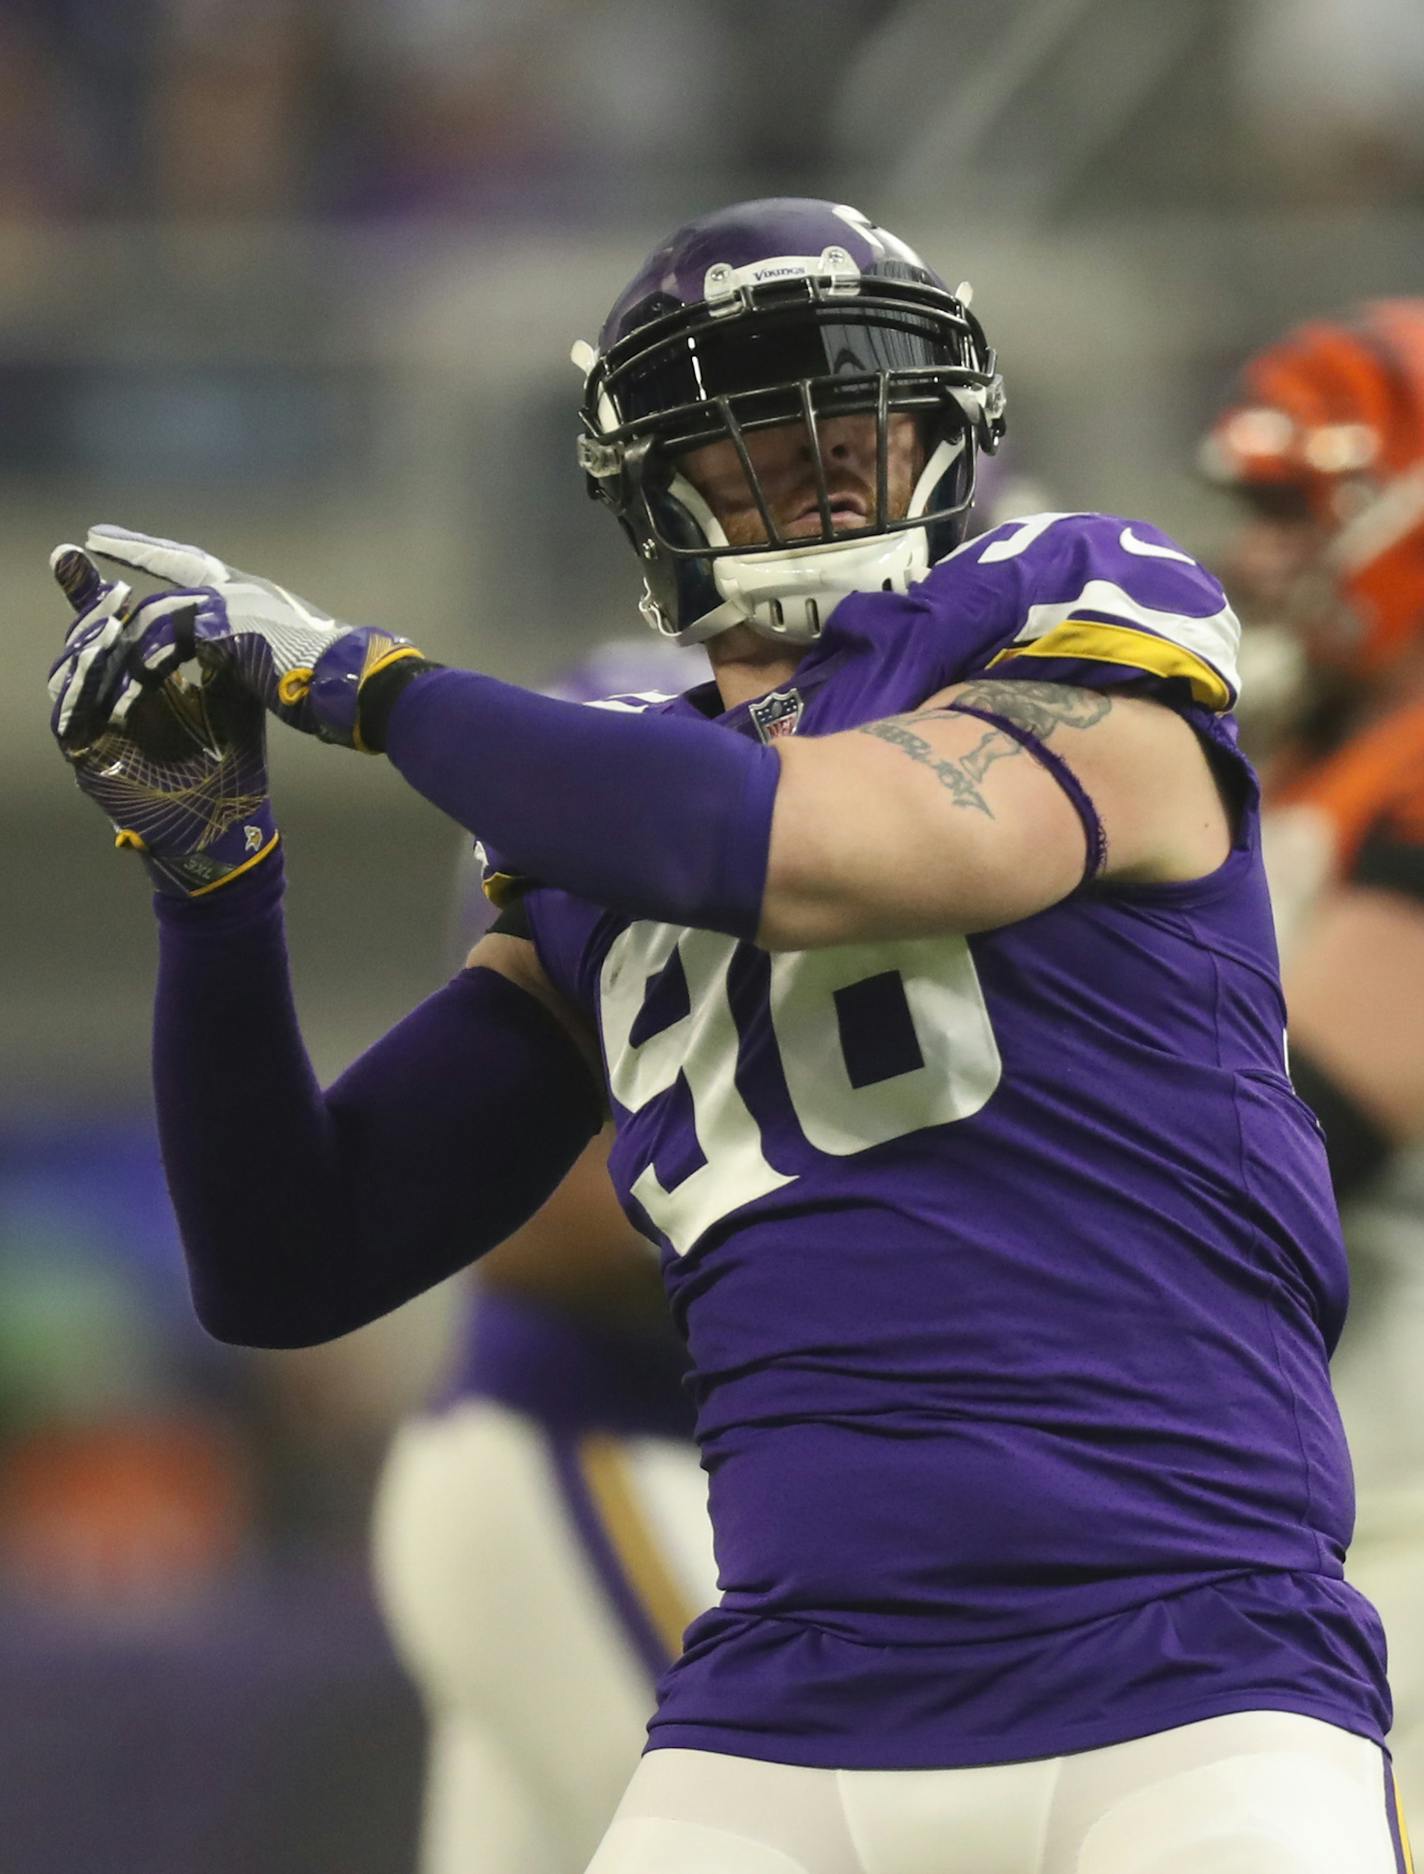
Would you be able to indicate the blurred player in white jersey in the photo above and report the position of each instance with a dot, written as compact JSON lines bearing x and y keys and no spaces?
{"x":555,"y":1480}
{"x":1324,"y":445}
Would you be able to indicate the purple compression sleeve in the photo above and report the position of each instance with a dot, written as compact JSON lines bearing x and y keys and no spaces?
{"x":305,"y":1214}
{"x":655,"y":816}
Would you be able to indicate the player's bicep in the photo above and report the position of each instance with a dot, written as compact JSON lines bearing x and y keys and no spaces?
{"x":914,"y":825}
{"x":943,"y":821}
{"x":1159,"y":806}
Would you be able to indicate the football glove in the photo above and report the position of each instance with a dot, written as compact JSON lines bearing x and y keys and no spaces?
{"x":300,"y":663}
{"x":183,"y":779}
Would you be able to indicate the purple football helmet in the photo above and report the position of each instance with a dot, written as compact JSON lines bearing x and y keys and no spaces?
{"x":766,"y":313}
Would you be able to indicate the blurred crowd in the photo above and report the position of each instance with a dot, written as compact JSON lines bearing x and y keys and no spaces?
{"x":465,"y":107}
{"x":562,"y":110}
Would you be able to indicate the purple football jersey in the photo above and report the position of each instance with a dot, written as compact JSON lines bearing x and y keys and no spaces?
{"x":1009,"y":1264}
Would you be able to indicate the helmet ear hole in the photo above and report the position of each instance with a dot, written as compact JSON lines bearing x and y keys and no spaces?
{"x":946,"y":484}
{"x":659,"y":512}
{"x":672,"y":511}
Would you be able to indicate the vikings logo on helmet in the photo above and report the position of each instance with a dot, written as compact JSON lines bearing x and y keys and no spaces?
{"x":774,"y":312}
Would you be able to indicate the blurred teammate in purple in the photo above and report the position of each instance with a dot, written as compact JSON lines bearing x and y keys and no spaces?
{"x":555,"y":1477}
{"x":924,"y":961}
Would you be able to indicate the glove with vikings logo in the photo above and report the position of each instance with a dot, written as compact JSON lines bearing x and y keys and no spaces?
{"x":184,"y":777}
{"x":300,"y":663}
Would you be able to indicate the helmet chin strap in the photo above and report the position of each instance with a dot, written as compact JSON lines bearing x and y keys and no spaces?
{"x":789,"y":596}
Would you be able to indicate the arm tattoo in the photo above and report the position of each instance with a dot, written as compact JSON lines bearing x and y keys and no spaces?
{"x":1040,"y":708}
{"x":960,"y":777}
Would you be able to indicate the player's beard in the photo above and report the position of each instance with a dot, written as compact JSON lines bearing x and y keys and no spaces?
{"x":796,"y":508}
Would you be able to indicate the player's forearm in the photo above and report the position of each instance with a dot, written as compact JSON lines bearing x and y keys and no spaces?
{"x":247,"y":1141}
{"x":303,"y":1214}
{"x":657,"y":817}
{"x":1364,"y":1027}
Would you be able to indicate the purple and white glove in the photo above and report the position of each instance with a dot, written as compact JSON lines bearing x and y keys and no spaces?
{"x":184,"y":778}
{"x":303,"y":665}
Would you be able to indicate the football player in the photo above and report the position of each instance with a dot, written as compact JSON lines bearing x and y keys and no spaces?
{"x":924,"y":960}
{"x":1323,"y":443}
{"x":556,"y":1478}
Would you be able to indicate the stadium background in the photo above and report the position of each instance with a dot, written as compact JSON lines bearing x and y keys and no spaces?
{"x":298,"y":279}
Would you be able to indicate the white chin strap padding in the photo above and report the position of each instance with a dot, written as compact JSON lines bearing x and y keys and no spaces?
{"x":789,"y":596}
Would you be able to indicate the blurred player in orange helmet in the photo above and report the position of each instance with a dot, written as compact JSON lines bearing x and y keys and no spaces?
{"x":1324,"y":446}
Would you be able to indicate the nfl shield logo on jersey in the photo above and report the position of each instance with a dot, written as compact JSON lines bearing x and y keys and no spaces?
{"x":776,"y":714}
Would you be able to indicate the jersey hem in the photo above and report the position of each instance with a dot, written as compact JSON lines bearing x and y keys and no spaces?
{"x":1026,"y":1747}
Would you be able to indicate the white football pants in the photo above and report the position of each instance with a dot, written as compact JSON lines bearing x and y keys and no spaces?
{"x":497,"y":1550}
{"x":1258,"y":1793}
{"x":1379,"y":1381}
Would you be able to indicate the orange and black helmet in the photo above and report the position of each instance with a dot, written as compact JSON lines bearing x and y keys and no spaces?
{"x":1328,"y":422}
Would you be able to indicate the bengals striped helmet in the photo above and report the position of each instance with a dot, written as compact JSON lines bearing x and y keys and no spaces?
{"x":1328,"y":424}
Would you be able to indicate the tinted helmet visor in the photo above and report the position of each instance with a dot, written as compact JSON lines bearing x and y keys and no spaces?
{"x":740,"y":358}
{"x":793,"y":353}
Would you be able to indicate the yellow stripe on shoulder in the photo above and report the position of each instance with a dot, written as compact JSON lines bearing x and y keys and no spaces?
{"x":1097,"y":642}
